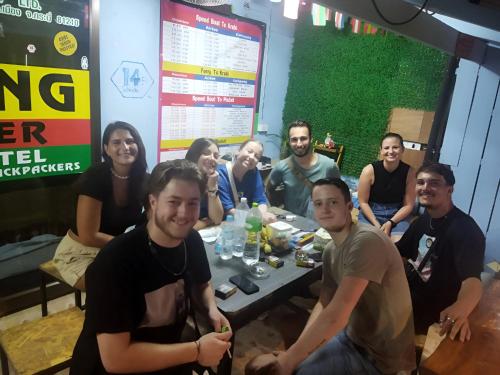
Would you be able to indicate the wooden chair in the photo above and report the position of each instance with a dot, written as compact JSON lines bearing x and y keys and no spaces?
{"x":49,"y":273}
{"x":42,"y":346}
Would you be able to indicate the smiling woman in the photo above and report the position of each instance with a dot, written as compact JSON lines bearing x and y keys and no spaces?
{"x":386,"y":190}
{"x":243,"y":179}
{"x":204,"y":152}
{"x":110,"y":196}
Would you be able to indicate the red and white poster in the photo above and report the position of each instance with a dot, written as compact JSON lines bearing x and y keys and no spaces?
{"x":210,"y":67}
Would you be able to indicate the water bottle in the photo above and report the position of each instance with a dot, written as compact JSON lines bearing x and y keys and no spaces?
{"x":218,"y":245}
{"x":253,"y":227}
{"x":240,"y":234}
{"x":242,"y":210}
{"x":227,"y":234}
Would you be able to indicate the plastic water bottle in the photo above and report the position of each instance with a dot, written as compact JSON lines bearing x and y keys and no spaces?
{"x":253,"y":227}
{"x":242,"y":210}
{"x":218,"y":245}
{"x":240,"y":234}
{"x":227,"y":235}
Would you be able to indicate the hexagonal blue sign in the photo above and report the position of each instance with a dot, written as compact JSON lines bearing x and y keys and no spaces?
{"x":132,"y":79}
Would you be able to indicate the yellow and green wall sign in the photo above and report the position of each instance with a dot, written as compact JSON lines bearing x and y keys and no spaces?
{"x":44,"y":88}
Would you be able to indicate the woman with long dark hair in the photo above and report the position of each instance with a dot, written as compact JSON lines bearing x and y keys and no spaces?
{"x":110,"y":199}
{"x":204,"y":152}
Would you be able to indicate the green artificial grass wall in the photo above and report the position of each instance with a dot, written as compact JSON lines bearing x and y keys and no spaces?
{"x":346,"y":84}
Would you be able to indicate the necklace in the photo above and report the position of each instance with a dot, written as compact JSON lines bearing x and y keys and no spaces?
{"x":154,"y":251}
{"x":118,"y":176}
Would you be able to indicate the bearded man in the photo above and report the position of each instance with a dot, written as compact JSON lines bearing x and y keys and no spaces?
{"x":444,"y":249}
{"x":299,"y":171}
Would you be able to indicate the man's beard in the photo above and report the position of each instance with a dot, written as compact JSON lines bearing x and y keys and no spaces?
{"x":303,"y":152}
{"x":424,"y":204}
{"x":163,"y":228}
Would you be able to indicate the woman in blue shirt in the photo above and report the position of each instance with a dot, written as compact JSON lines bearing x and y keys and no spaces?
{"x":243,"y":179}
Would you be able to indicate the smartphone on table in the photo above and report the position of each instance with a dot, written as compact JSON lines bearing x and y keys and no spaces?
{"x":247,"y":286}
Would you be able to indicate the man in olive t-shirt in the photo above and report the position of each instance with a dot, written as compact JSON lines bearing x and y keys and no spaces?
{"x":363,"y":321}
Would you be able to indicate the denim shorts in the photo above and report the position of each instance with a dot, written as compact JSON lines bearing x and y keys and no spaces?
{"x":339,"y":356}
{"x":383,"y":212}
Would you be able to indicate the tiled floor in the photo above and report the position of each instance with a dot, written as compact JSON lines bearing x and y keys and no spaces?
{"x":274,"y":330}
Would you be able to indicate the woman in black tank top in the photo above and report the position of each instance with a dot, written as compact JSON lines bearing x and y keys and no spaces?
{"x":386,"y":190}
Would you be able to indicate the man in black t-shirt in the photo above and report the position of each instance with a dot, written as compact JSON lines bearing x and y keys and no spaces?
{"x":140,"y":285}
{"x":445,"y":252}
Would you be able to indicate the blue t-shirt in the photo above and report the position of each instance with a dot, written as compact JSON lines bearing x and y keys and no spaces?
{"x":251,"y":186}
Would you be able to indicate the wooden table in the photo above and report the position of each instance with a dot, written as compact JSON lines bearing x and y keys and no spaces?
{"x":282,"y":284}
{"x":480,"y":355}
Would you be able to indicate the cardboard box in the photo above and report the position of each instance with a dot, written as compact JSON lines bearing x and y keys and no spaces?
{"x":414,"y":158}
{"x":412,"y":125}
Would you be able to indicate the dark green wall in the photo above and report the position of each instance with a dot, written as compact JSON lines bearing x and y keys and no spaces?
{"x":347,"y":83}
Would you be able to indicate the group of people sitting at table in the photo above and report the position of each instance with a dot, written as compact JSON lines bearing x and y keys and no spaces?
{"x":375,"y":294}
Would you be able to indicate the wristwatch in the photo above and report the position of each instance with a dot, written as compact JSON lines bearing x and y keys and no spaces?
{"x":213,"y":193}
{"x":392,"y":222}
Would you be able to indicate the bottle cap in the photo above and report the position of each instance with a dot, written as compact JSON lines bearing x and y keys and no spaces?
{"x":229,"y":218}
{"x":255,"y":204}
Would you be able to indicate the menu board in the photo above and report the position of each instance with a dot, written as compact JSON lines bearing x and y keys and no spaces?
{"x":44,"y":88}
{"x":210,"y":67}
